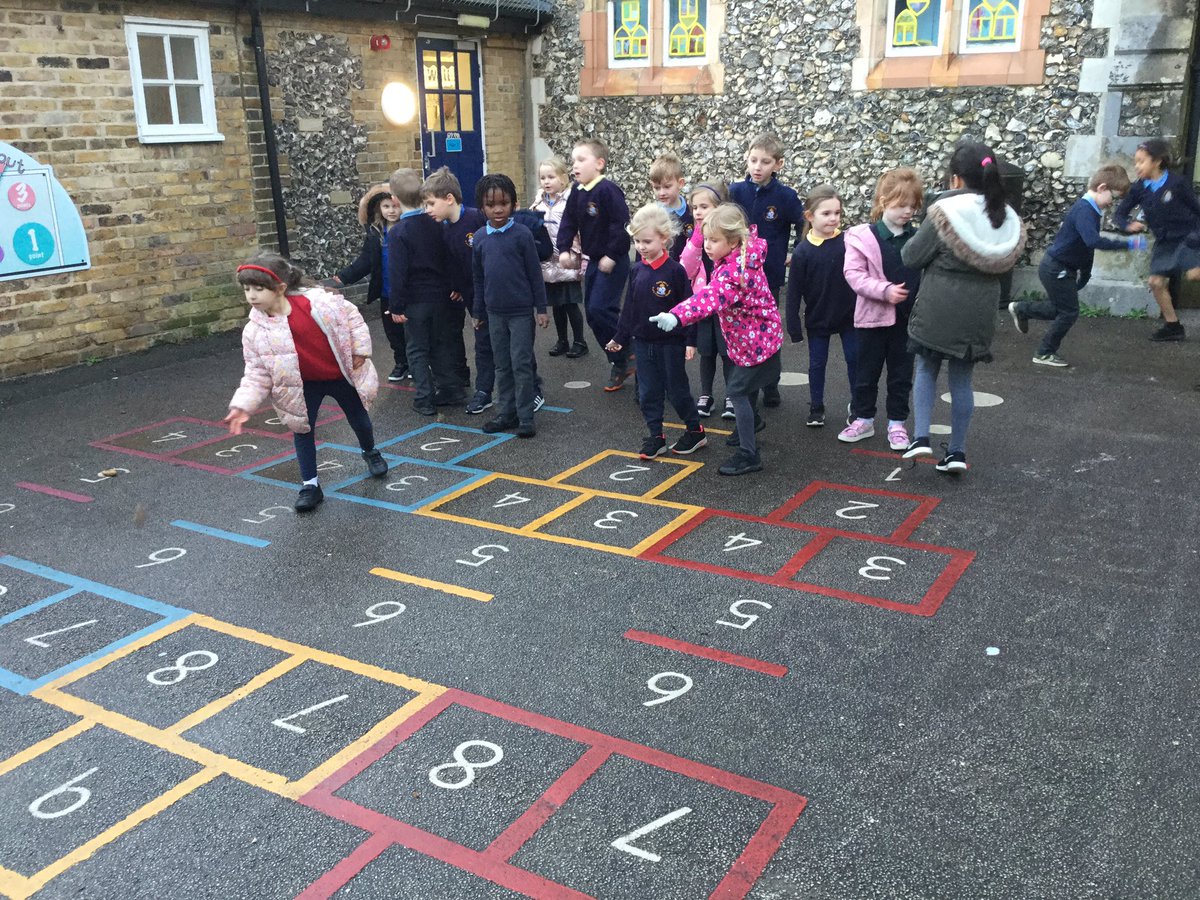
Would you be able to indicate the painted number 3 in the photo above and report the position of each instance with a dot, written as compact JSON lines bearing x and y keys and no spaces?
{"x":461,"y":762}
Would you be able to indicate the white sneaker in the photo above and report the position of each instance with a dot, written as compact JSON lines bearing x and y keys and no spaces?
{"x":1051,"y":359}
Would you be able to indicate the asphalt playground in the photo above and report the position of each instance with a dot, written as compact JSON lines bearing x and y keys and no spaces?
{"x":547,"y":668}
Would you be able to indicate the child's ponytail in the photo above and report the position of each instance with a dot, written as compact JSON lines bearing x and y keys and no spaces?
{"x":976,"y":165}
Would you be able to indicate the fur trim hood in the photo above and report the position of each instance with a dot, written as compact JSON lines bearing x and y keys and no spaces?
{"x":963,"y":225}
{"x":364,"y":214}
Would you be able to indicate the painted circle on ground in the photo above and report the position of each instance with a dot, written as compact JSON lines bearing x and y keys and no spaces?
{"x":33,"y":243}
{"x":576,"y":385}
{"x":791,"y":379}
{"x":21,"y":196}
{"x":981,"y":399}
{"x":939,"y":429}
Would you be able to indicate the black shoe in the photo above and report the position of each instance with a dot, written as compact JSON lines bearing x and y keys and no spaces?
{"x":1019,"y":319}
{"x":425,"y":409}
{"x":449,"y":399}
{"x":526,"y":430}
{"x":616,"y":377}
{"x":653,"y":446}
{"x":759,"y":424}
{"x":578,"y":349}
{"x":559,"y":348}
{"x":816,"y":417}
{"x":500,"y":423}
{"x":399,"y":373}
{"x":311,"y":496}
{"x":376,"y":464}
{"x":742,"y":463}
{"x":918,"y":447}
{"x":704,"y":406}
{"x":690,"y":442}
{"x":1168,"y":331}
{"x":955,"y":463}
{"x":771,"y":397}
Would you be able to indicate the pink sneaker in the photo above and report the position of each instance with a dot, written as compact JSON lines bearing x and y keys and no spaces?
{"x":858,"y":430}
{"x":897,"y":436}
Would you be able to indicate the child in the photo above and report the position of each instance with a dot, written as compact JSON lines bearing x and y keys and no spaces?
{"x":817,"y":280}
{"x":301,"y":345}
{"x":886,"y":288}
{"x":1067,"y":265}
{"x":970,"y":238}
{"x":666,"y":179}
{"x":741,"y":297}
{"x":378,"y":211}
{"x":597,"y":212}
{"x":419,"y":298}
{"x":710,"y":343}
{"x":1171,"y":211}
{"x":656,"y":284}
{"x":775,"y":209}
{"x":508,"y":289}
{"x":564,"y":291}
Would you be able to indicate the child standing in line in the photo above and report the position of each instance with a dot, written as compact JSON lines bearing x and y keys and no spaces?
{"x":775,"y":209}
{"x":1172,"y":213}
{"x":666,"y":180}
{"x":710,"y":343}
{"x":818,"y":281}
{"x":509,"y":289}
{"x":1067,"y":265}
{"x":301,"y":345}
{"x":597,"y":212}
{"x":378,"y":211}
{"x":656,"y":284}
{"x":741,"y":298}
{"x":886,"y":288}
{"x":564,"y":289}
{"x":970,"y":238}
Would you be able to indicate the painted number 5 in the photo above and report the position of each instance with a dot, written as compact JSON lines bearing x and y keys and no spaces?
{"x":667,"y":694}
{"x":480,"y":556}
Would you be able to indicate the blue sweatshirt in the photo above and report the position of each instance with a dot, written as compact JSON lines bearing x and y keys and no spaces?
{"x":776,"y":209}
{"x":508,"y":276}
{"x":460,"y":246}
{"x":817,"y":281}
{"x":654,"y":288}
{"x":682,"y":215}
{"x":599,"y":217}
{"x":417,"y":265}
{"x":1171,"y":212}
{"x":1079,"y":238}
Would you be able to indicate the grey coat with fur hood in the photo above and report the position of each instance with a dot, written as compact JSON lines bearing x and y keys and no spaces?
{"x":962,"y":257}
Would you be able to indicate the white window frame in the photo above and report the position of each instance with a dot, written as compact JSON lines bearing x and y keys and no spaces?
{"x":613,"y":62}
{"x":965,"y":27}
{"x":936,"y":49}
{"x":182,"y":133}
{"x":687,"y":61}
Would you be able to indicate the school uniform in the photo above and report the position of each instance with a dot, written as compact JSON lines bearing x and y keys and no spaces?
{"x":1172,"y":213}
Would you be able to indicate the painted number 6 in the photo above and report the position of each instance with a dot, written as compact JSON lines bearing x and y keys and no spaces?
{"x":82,"y":795}
{"x":667,"y":694}
{"x":158,"y":557}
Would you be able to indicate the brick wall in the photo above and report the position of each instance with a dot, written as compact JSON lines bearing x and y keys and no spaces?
{"x":167,"y":223}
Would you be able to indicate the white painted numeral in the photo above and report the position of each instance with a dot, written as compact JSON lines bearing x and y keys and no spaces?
{"x":170,"y":436}
{"x":274,"y":420}
{"x":265,"y":515}
{"x":157,"y":559}
{"x":7,"y":507}
{"x":509,"y":500}
{"x":749,"y":618}
{"x":37,"y":641}
{"x":236,"y":449}
{"x":374,"y":617}
{"x":439,"y":444}
{"x":627,"y":473}
{"x":845,"y":511}
{"x":100,"y":476}
{"x":468,"y":767}
{"x":895,"y":476}
{"x":666,"y":694}
{"x":328,"y":464}
{"x":284,"y":722}
{"x":82,"y":795}
{"x":625,"y":841}
{"x":873,"y":565}
{"x":611,"y":520}
{"x":182,"y":669}
{"x":405,"y":482}
{"x":3,"y":590}
{"x":739,"y":541}
{"x":480,"y":556}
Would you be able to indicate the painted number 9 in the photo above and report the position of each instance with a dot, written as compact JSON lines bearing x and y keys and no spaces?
{"x":165,"y":555}
{"x":374,"y":617}
{"x":667,"y":694}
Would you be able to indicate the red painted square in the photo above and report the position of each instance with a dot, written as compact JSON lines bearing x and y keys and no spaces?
{"x":856,"y":510}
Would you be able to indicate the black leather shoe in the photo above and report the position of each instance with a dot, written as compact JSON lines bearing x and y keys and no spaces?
{"x":311,"y":496}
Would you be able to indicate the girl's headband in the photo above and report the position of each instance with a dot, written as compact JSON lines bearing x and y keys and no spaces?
{"x":987,"y":161}
{"x":705,"y":186}
{"x":261,"y":269}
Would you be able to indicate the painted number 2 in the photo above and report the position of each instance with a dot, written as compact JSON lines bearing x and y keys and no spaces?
{"x":847,"y":512}
{"x":480,"y":556}
{"x":461,"y":762}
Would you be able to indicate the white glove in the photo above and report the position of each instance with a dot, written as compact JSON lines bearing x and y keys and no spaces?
{"x":666,"y":321}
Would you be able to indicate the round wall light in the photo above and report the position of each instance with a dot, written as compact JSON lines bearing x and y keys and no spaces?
{"x":399,"y":103}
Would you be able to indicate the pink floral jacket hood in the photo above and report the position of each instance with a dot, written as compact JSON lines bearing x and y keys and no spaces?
{"x":273,"y":367}
{"x":743,"y":303}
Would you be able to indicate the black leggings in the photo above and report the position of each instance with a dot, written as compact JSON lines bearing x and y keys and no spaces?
{"x":356,"y":416}
{"x":569,"y":312}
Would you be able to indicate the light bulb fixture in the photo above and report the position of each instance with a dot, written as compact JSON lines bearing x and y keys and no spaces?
{"x":465,"y":20}
{"x":399,"y":103}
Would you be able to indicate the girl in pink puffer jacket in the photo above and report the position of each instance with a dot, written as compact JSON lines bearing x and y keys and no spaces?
{"x":301,"y":345}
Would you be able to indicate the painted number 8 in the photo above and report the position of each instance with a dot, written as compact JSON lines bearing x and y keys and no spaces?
{"x":182,"y":669}
{"x":468,"y":767}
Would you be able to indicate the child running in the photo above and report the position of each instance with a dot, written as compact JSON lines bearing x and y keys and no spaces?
{"x":817,"y":280}
{"x":301,"y":345}
{"x":710,"y":343}
{"x":741,"y":298}
{"x":1172,"y":213}
{"x":656,"y":284}
{"x":564,"y":288}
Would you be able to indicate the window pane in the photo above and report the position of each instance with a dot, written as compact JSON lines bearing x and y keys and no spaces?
{"x":466,"y":112}
{"x":688,"y":21}
{"x":433,"y":113}
{"x":630,"y":37}
{"x":183,"y":58}
{"x":429,"y":70}
{"x":153,"y":56}
{"x":450,"y":112}
{"x":449,"y":81}
{"x":916,"y":23}
{"x":464,"y":71}
{"x":187,"y":98}
{"x":158,"y":105}
{"x":992,"y":23}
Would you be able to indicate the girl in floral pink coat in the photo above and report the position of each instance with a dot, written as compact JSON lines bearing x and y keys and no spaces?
{"x":302,"y":345}
{"x":739,"y":296}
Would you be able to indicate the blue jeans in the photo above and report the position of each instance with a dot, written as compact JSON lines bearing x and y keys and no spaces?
{"x":818,"y":357}
{"x":512,"y":348}
{"x":962,"y":399}
{"x":602,"y":303}
{"x":1061,"y":305}
{"x":356,"y":416}
{"x":661,"y":374}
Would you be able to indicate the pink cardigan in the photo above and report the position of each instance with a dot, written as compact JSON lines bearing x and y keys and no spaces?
{"x":864,"y":273}
{"x":273,"y":366}
{"x":743,"y":303}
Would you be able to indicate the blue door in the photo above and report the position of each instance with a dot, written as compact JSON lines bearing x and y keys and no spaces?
{"x":451,"y":113}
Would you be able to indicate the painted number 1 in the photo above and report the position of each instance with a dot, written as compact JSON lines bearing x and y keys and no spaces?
{"x":625,"y":841}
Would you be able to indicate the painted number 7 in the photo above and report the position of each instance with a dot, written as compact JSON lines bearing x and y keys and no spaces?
{"x":625,"y":841}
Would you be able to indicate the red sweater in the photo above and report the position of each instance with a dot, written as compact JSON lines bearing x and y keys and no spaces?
{"x":317,"y":362}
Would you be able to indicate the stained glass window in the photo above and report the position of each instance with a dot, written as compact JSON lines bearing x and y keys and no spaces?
{"x":687,"y":21}
{"x":630,"y":30}
{"x":992,"y":24}
{"x":915,"y":27}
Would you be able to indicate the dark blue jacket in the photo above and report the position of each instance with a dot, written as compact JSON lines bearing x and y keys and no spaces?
{"x":776,"y":209}
{"x":507,"y":273}
{"x":460,"y":247}
{"x":1079,"y":238}
{"x":817,"y":281}
{"x":599,"y":217}
{"x":653,"y":290}
{"x":368,"y":262}
{"x":418,"y":270}
{"x":1171,"y":213}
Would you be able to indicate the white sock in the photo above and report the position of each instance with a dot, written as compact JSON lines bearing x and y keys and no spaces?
{"x":894,"y":422}
{"x":312,"y":482}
